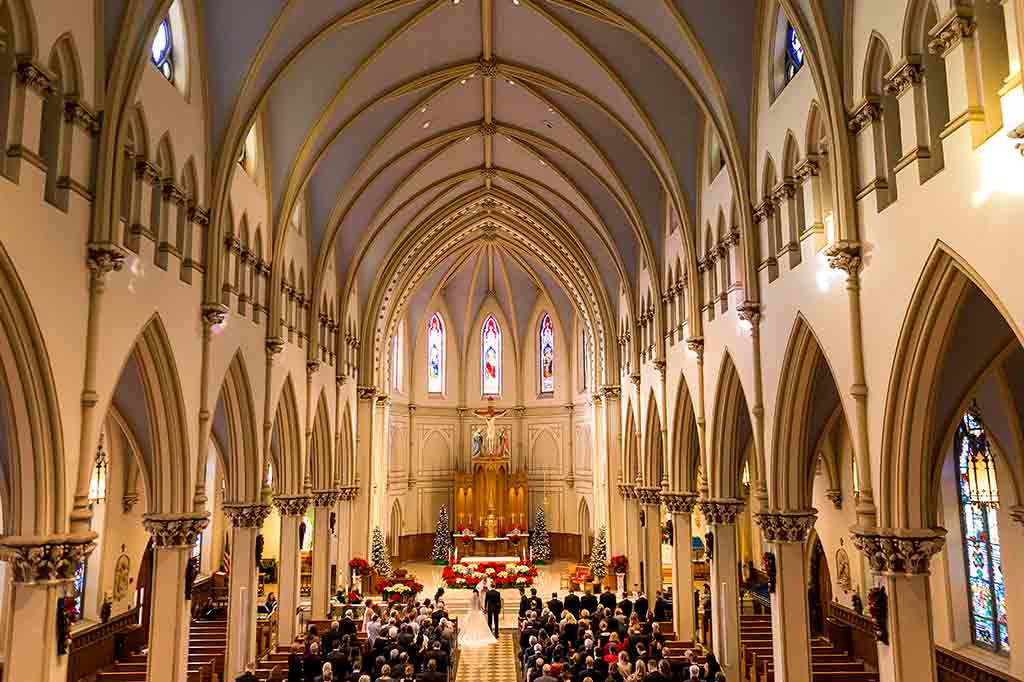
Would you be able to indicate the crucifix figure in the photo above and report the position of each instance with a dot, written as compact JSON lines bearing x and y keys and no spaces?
{"x":490,"y":415}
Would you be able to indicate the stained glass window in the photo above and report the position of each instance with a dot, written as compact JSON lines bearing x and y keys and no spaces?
{"x":794,"y":53}
{"x":80,"y":590}
{"x":986,"y":590}
{"x":490,"y":357}
{"x":161,"y":52}
{"x":435,"y":354}
{"x":547,"y":354}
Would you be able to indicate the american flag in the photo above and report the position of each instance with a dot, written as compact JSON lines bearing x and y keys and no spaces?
{"x":225,"y":562}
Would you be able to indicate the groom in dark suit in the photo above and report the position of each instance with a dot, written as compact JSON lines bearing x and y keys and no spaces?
{"x":492,"y":604}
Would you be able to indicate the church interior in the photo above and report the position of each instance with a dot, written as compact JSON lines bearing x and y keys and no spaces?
{"x":315,"y":306}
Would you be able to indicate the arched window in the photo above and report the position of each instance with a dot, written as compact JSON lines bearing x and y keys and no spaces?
{"x":794,"y":53}
{"x":161,"y":52}
{"x":435,"y":354}
{"x":979,"y":505}
{"x":546,"y":353}
{"x":490,"y":357}
{"x":79,"y":585}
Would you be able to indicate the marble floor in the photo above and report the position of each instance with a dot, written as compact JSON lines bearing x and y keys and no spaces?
{"x":494,"y":663}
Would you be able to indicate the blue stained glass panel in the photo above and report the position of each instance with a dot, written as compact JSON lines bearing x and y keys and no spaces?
{"x":490,"y":357}
{"x":435,"y":354}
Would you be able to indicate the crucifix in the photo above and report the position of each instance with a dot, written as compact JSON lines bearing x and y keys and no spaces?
{"x":490,"y":415}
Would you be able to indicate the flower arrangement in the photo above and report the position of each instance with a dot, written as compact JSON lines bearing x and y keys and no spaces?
{"x":350,"y":597}
{"x":504,"y":576}
{"x":768,"y":563}
{"x":517,"y":529}
{"x":359,"y":566}
{"x":463,"y":529}
{"x":399,"y":589}
{"x":620,"y":564}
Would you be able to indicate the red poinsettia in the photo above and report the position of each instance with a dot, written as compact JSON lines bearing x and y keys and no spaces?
{"x":619,"y":563}
{"x":360,"y":566}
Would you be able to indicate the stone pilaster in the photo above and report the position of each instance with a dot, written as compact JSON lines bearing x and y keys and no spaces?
{"x":721,"y":516}
{"x":680,"y":506}
{"x":324,"y":504}
{"x":246,"y":521}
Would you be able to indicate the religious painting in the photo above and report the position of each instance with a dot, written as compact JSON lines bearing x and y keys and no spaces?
{"x":435,"y":354}
{"x":843,"y":564}
{"x":547,"y":355}
{"x":490,"y":357}
{"x":122,"y":576}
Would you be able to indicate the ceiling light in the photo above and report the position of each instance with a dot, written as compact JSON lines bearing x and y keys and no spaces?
{"x":423,"y":109}
{"x":455,"y":2}
{"x":543,"y":163}
{"x":511,"y":82}
{"x":548,"y":124}
{"x":515,"y":2}
{"x":426,"y":124}
{"x":551,"y":110}
{"x":463,"y":81}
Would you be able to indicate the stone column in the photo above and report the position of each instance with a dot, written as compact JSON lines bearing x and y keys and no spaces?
{"x":42,"y":569}
{"x":680,"y":506}
{"x":246,"y":521}
{"x":174,"y":535}
{"x":786,"y":533}
{"x":609,"y":405}
{"x":900,"y":561}
{"x":291,"y":508}
{"x":650,"y":501}
{"x":721,"y":515}
{"x":323,"y":504}
{"x":344,"y":529}
{"x":632,"y":530}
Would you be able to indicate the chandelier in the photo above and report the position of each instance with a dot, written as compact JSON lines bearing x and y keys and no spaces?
{"x":98,"y":480}
{"x":979,"y":463}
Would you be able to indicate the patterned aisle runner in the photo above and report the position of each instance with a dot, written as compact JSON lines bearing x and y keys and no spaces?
{"x":494,"y":663}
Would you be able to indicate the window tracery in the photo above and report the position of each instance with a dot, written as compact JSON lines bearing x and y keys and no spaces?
{"x":794,"y":53}
{"x":546,"y":354}
{"x":490,"y":357}
{"x":435,"y":354}
{"x":161,"y":51}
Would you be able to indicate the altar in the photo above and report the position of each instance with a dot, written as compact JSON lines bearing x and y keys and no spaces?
{"x":489,"y":560}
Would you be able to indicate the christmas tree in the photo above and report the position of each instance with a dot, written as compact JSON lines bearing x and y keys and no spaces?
{"x":599,"y":555}
{"x":379,"y":554}
{"x":442,"y":538}
{"x":540,"y":543}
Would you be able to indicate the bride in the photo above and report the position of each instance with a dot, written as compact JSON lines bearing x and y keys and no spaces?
{"x":474,"y":632}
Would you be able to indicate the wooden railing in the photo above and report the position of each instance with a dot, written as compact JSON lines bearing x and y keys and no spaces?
{"x":953,"y":667}
{"x":852,"y":631}
{"x":98,"y":646}
{"x":266,"y":635}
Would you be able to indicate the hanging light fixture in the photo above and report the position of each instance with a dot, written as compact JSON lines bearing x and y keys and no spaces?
{"x":98,"y":480}
{"x":981,"y":467}
{"x":746,"y":478}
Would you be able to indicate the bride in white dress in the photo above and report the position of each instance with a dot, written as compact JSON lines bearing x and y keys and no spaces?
{"x":474,"y":631}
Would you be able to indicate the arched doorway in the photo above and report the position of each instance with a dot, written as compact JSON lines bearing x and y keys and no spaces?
{"x":819,"y":591}
{"x":586,"y":532}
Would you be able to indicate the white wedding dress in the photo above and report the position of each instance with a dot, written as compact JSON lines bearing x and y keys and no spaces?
{"x":473,"y":630}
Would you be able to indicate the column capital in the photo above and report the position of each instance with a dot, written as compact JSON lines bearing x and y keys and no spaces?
{"x":897,"y":551}
{"x":366,"y":392}
{"x":611,"y":391}
{"x":648,"y":495}
{"x":349,"y":492}
{"x":47,"y":559}
{"x":1017,"y":514}
{"x":627,"y":491}
{"x":213,"y":314}
{"x":696,"y":345}
{"x":679,"y":502}
{"x":902,"y":77}
{"x":721,"y":511}
{"x":325,"y":498}
{"x":274,"y":345}
{"x":104,"y":258}
{"x":836,"y":497}
{"x":951,"y":30}
{"x":786,"y":526}
{"x":291,"y":505}
{"x":245,"y":515}
{"x":844,"y":255}
{"x":175,"y":530}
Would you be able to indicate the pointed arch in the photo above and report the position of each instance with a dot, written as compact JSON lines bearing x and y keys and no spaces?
{"x":630,"y":448}
{"x":790,"y":155}
{"x":922,"y":400}
{"x":286,"y":443}
{"x":686,"y":456}
{"x":731,"y":434}
{"x":807,"y":399}
{"x":654,"y":445}
{"x":321,"y":460}
{"x":347,"y":448}
{"x":242,"y":466}
{"x":32,"y":458}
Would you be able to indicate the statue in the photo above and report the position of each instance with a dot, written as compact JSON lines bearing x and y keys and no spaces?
{"x":843,"y":563}
{"x":478,"y":442}
{"x":490,"y":415}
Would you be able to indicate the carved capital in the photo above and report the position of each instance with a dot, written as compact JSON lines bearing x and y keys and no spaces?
{"x":45,"y":560}
{"x":627,"y":491}
{"x":488,"y":129}
{"x":836,"y":496}
{"x":128,"y":502}
{"x":696,"y":346}
{"x":214,"y":314}
{"x":175,"y":530}
{"x":864,"y":115}
{"x":103,"y":259}
{"x":325,"y":498}
{"x":174,"y":194}
{"x":786,"y":526}
{"x":348,"y":493}
{"x":721,"y":511}
{"x":147,"y":172}
{"x":902,"y":78}
{"x":246,"y":515}
{"x":808,"y":168}
{"x":611,"y":391}
{"x":844,"y":255}
{"x":35,"y":77}
{"x":312,"y":368}
{"x":784,"y":192}
{"x":659,"y":366}
{"x":762,"y":211}
{"x":951,"y":32}
{"x":383,"y":401}
{"x":679,"y":502}
{"x":648,"y":495}
{"x":896,"y":551}
{"x":274,"y":346}
{"x":78,"y":114}
{"x":487,"y":68}
{"x":749,"y":311}
{"x":291,"y":505}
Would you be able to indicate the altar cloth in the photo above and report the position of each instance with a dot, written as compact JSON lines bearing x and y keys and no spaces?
{"x":489,"y":560}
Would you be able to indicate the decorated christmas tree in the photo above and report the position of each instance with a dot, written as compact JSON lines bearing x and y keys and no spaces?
{"x":442,"y":538}
{"x":379,"y":554}
{"x":599,"y":555}
{"x":540,"y":543}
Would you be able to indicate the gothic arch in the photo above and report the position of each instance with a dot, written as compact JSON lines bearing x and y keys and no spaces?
{"x":321,"y":461}
{"x":242,"y":462}
{"x":32,"y":458}
{"x":654,"y":450}
{"x":685,"y":451}
{"x":630,"y":447}
{"x":286,"y":444}
{"x":730,"y":434}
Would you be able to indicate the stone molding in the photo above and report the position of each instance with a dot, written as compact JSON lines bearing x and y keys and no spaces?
{"x":103,"y":259}
{"x":844,"y":255}
{"x":348,"y":493}
{"x":679,"y":502}
{"x":244,"y":515}
{"x":35,"y":77}
{"x":648,"y":495}
{"x":611,"y":391}
{"x":836,"y":497}
{"x":899,"y":552}
{"x":786,"y":526}
{"x":366,"y":392}
{"x":721,"y":511}
{"x":275,"y":345}
{"x":78,"y":114}
{"x":696,"y":344}
{"x":325,"y":498}
{"x":864,"y":115}
{"x":214,"y":314}
{"x":175,"y":530}
{"x":52,"y":559}
{"x":951,"y":32}
{"x":902,"y":78}
{"x":291,"y":505}
{"x":627,"y":491}
{"x":808,"y":168}
{"x":749,"y":311}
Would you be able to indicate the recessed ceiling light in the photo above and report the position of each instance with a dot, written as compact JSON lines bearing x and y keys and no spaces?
{"x":551,"y":110}
{"x":426,"y":124}
{"x":455,"y":2}
{"x":463,"y":81}
{"x":515,"y":2}
{"x":548,"y":124}
{"x":423,"y":109}
{"x":543,"y":163}
{"x":511,"y":82}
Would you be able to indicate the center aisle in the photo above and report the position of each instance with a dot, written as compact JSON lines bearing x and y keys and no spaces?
{"x":494,"y":663}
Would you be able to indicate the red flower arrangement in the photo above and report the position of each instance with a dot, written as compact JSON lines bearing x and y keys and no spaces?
{"x":504,"y":576}
{"x":360,"y":566}
{"x":619,"y":563}
{"x":516,"y":529}
{"x":463,"y":529}
{"x":399,"y":589}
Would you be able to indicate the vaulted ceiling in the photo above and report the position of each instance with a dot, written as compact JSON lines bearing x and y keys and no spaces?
{"x":383,"y":112}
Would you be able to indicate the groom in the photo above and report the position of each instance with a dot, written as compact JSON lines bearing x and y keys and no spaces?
{"x":492,"y":604}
